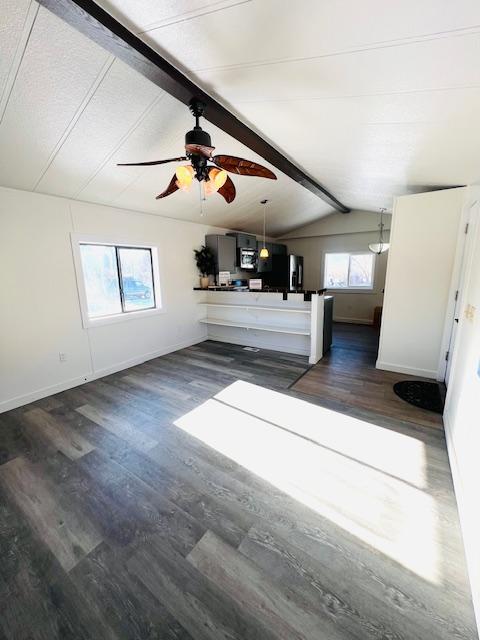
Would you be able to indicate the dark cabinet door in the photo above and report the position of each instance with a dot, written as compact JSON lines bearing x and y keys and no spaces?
{"x":264,"y":264}
{"x":227,"y":252}
{"x":279,"y":249}
{"x":246,"y":241}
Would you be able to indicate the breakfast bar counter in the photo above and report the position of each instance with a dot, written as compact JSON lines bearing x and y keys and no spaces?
{"x":280,"y":320}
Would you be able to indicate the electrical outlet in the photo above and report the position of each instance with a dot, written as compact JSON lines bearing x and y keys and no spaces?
{"x":62,"y":356}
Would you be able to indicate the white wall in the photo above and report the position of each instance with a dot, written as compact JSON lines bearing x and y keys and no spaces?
{"x":423,"y":243}
{"x":341,"y":223}
{"x":357,"y":307}
{"x":40,"y":313}
{"x":462,"y":407}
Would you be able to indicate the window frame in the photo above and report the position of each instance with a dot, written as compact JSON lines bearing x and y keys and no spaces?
{"x":350,"y":289}
{"x":80,"y":239}
{"x":120,"y":276}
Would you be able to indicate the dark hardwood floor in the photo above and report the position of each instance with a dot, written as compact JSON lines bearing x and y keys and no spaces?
{"x":348,"y":374}
{"x":199,"y":496}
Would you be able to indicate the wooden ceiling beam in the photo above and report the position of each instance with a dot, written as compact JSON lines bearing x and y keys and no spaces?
{"x":98,"y":25}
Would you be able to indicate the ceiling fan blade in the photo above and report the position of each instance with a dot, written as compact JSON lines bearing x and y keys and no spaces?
{"x":152,"y":162}
{"x":200,"y":149}
{"x":228,"y":191}
{"x":243,"y":167}
{"x":172,"y":187}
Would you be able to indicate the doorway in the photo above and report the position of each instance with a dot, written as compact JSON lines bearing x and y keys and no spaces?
{"x":458,"y":282}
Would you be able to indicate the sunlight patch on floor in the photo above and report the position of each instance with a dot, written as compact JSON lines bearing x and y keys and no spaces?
{"x":394,"y":453}
{"x":356,"y":474}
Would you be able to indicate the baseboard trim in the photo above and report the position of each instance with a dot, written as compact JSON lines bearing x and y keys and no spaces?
{"x":38,"y":394}
{"x":353,"y":320}
{"x":411,"y":371}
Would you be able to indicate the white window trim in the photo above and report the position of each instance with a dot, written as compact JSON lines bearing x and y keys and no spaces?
{"x":368,"y":290}
{"x":78,"y":238}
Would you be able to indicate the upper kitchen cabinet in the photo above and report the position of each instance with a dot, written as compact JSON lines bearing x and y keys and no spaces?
{"x":279,"y":249}
{"x":225,"y":250}
{"x":244,"y":240}
{"x":266,"y":264}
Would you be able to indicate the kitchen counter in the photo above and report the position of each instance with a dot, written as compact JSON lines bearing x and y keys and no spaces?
{"x":286,"y":292}
{"x":277,"y":319}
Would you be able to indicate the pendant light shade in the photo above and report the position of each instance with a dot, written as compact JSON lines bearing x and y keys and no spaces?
{"x":381,"y":246}
{"x":184,"y":175}
{"x":217,"y":178}
{"x":264,"y":251}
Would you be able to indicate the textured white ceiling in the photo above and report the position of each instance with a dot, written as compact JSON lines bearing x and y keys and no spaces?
{"x":373,"y":99}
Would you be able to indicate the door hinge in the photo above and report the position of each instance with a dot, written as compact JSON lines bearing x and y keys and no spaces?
{"x":456,"y":295}
{"x":466,"y":227}
{"x":447,"y":355}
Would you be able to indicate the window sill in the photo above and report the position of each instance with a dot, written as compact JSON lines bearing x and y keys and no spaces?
{"x":363,"y":291}
{"x":90,"y":323}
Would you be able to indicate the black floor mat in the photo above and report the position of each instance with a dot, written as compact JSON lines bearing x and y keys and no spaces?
{"x":425,"y":395}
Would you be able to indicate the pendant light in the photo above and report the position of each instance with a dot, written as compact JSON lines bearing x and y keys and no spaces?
{"x":264,"y":251}
{"x":381,"y":246}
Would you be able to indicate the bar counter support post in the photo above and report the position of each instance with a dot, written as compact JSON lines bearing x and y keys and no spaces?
{"x":316,"y":328}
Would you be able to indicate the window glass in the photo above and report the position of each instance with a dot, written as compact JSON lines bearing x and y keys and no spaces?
{"x":349,"y":271}
{"x":99,"y":264}
{"x":137,"y":278}
{"x":336,"y":270}
{"x":361,"y":270}
{"x":117,"y":279}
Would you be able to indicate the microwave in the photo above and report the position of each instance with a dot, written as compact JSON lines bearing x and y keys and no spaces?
{"x":247,"y":259}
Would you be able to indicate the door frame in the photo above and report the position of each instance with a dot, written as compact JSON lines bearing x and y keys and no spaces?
{"x":457,"y":286}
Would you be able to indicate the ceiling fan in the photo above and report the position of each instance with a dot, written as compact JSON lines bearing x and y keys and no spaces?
{"x":206,"y":168}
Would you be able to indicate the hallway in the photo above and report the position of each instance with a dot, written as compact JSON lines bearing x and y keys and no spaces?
{"x":347,"y":374}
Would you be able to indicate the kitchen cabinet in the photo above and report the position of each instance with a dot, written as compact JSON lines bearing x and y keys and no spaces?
{"x":265,"y":265}
{"x":224,"y":249}
{"x":279,"y":249}
{"x":244,"y":240}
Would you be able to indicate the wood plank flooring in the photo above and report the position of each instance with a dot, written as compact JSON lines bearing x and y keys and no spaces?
{"x":348,"y":374}
{"x":199,"y":496}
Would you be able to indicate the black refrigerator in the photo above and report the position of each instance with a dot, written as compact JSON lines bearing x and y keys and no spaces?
{"x":287,"y":272}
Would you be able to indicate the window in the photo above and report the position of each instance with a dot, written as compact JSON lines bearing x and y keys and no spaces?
{"x":117,"y":279}
{"x":349,"y":270}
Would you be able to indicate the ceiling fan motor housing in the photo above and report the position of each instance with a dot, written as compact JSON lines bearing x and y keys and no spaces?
{"x":198,"y":136}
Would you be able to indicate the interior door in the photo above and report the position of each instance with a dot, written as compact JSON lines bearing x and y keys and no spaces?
{"x":458,"y":295}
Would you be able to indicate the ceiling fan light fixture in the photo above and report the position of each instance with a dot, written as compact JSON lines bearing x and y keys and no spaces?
{"x":210,"y":171}
{"x":217,"y":178}
{"x":184,"y":175}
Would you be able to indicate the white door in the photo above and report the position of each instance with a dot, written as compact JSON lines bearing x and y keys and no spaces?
{"x":459,"y":291}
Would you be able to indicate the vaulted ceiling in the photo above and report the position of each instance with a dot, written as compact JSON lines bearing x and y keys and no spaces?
{"x":373,"y":99}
